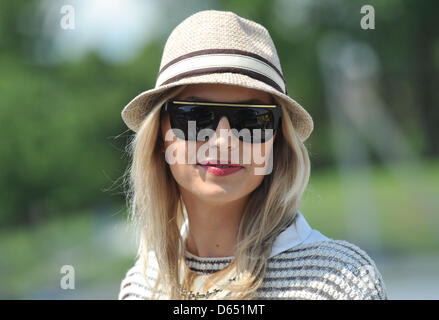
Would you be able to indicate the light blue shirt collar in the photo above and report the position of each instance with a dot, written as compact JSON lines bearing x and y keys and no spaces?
{"x":299,"y":232}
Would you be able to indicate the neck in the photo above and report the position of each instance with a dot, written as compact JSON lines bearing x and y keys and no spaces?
{"x":213,"y":227}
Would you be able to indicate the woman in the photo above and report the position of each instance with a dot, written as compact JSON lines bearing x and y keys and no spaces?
{"x":218,"y":171}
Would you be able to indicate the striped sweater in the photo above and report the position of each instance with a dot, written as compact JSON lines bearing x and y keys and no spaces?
{"x":328,"y":269}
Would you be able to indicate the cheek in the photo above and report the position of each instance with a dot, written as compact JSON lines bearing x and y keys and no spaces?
{"x":261,"y":164}
{"x":183,"y":175}
{"x":259,"y":153}
{"x":176,"y":154}
{"x":262,"y":159}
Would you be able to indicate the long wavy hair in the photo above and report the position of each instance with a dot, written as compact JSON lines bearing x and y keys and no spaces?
{"x":156,"y":208}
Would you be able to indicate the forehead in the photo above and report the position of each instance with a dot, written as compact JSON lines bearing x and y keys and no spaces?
{"x":224,"y":93}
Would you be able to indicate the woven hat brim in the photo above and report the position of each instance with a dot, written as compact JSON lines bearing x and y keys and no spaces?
{"x":135,"y":111}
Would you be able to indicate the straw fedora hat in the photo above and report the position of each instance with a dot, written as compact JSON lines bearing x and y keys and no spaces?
{"x":213,"y":46}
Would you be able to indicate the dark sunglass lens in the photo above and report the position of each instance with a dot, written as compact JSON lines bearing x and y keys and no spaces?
{"x":256,"y":120}
{"x":203,"y":118}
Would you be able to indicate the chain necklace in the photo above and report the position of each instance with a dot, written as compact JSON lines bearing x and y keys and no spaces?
{"x":198,"y":295}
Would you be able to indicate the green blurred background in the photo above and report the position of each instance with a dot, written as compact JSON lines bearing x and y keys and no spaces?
{"x":373,"y":95}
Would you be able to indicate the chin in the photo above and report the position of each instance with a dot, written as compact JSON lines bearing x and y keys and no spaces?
{"x":215,"y":193}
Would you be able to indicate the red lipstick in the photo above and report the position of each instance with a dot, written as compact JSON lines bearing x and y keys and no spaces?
{"x":220,"y":169}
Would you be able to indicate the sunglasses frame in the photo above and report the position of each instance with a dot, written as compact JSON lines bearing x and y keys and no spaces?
{"x":275,"y":109}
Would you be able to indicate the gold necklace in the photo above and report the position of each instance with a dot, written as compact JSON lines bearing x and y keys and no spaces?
{"x":207,"y":294}
{"x":198,"y":295}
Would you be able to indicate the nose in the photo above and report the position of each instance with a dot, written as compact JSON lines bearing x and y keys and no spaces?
{"x":222,"y":134}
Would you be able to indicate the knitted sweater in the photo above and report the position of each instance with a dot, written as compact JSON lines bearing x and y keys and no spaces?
{"x":312,"y":267}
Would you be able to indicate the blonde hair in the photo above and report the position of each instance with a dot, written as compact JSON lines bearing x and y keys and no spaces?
{"x":156,"y":208}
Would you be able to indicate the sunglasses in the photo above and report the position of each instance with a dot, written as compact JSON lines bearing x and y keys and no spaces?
{"x":253,"y":123}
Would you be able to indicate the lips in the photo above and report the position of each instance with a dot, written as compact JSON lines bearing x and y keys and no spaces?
{"x":216,"y":163}
{"x":220,"y":169}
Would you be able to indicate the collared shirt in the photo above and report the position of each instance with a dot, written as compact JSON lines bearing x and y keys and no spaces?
{"x":308,"y":265}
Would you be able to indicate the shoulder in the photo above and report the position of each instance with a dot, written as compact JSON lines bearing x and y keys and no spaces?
{"x":137,"y":284}
{"x":330,"y":269}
